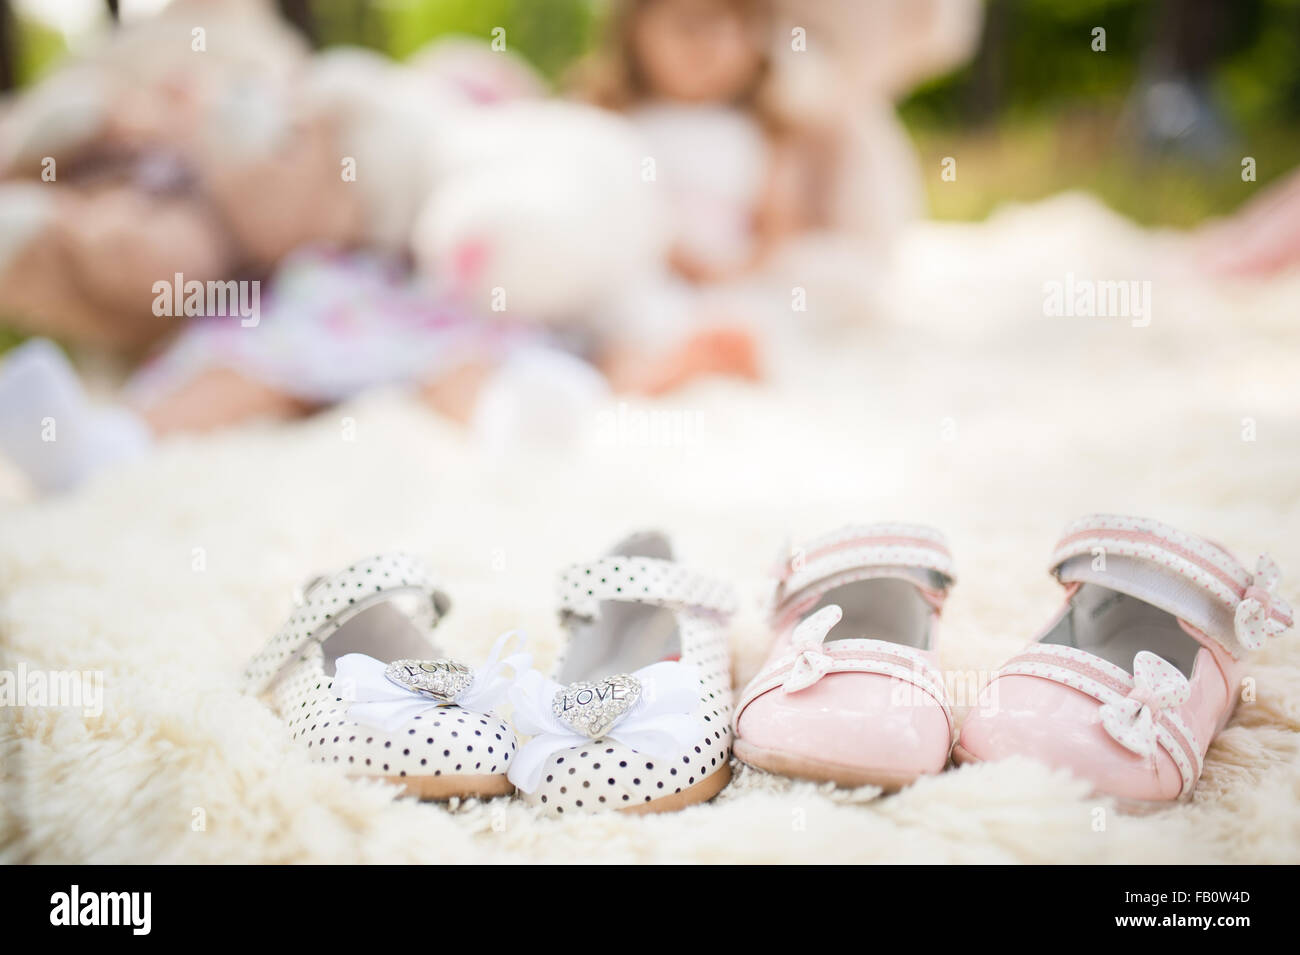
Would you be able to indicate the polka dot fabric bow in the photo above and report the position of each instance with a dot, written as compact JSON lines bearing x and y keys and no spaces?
{"x":1157,"y":685}
{"x":375,"y":699}
{"x":811,"y":662}
{"x":661,"y":722}
{"x":1262,"y":613}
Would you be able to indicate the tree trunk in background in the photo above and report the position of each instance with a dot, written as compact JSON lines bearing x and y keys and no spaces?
{"x":298,"y":12}
{"x":984,"y":96}
{"x":1188,"y":35}
{"x":8,"y":48}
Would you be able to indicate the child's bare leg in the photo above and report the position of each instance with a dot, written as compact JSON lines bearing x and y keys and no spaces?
{"x":216,"y":399}
{"x":718,"y":351}
{"x":455,"y":393}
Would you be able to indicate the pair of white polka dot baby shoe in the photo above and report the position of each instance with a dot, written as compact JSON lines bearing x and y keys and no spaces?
{"x":1126,"y":686}
{"x":637,"y":716}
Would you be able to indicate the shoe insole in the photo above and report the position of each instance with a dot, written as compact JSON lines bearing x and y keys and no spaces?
{"x":1116,"y":627}
{"x":881,"y":608}
{"x":626,"y":637}
{"x":384,"y":631}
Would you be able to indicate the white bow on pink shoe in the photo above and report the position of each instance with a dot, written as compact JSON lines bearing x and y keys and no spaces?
{"x":1157,"y":686}
{"x":1262,"y":613}
{"x":811,"y":662}
{"x":1187,"y":614}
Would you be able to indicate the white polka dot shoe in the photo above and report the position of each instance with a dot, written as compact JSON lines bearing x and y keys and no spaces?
{"x":1140,"y":669}
{"x":638,"y":716}
{"x":361,"y":686}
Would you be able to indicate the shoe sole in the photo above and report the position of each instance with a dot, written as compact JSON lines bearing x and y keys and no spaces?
{"x":702,"y":791}
{"x":485,"y":787}
{"x":1129,"y":807}
{"x":820,"y":771}
{"x":450,"y":787}
{"x":961,"y":756}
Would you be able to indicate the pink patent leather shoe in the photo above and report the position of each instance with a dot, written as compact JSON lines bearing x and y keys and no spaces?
{"x":1138,"y":672}
{"x":851,"y":692}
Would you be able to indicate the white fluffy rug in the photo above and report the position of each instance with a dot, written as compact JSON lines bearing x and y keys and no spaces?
{"x":962,"y":406}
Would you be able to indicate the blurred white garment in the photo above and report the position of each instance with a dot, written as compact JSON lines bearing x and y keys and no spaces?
{"x":539,"y":400}
{"x":710,"y":163}
{"x":48,"y":427}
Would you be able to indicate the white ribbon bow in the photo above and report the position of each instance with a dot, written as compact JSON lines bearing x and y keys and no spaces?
{"x":1157,"y":685}
{"x":811,"y":662}
{"x":377,"y":701}
{"x":661,"y":723}
{"x":1254,"y":621}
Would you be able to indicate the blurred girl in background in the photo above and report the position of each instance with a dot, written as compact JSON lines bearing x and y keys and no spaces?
{"x":741,"y":175}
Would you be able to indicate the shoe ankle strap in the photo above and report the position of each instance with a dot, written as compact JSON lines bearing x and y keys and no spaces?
{"x":912,"y":552}
{"x":327,"y":603}
{"x":647,"y":580}
{"x":1192,"y":578}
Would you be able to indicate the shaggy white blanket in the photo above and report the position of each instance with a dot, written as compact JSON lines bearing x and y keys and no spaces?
{"x":961,"y":405}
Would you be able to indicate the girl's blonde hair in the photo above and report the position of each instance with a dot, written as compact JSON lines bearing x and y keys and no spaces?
{"x":610,"y":77}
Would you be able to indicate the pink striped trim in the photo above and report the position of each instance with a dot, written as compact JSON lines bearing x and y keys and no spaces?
{"x":1068,"y":663}
{"x":786,"y":611}
{"x":1145,"y":537}
{"x":1164,"y":532}
{"x":871,"y":541}
{"x":810,"y":590}
{"x":850,"y":655}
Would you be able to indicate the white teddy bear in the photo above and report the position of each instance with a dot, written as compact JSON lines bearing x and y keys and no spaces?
{"x":540,"y":209}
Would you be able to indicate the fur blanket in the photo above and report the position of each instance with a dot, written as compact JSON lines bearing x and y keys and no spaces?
{"x":961,"y":404}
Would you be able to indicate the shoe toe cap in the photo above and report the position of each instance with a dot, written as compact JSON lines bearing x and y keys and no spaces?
{"x":861,"y":721}
{"x":1028,"y":716}
{"x":605,"y":774}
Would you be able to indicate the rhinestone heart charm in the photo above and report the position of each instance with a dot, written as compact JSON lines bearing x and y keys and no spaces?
{"x":443,"y":680}
{"x":593,"y":707}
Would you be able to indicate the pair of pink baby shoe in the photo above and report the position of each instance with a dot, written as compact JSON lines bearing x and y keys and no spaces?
{"x":1126,"y":686}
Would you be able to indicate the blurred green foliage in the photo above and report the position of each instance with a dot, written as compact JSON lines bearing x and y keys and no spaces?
{"x":551,"y":34}
{"x":1029,"y":159}
{"x":39,"y":48}
{"x":1037,"y":58}
{"x":1038,"y":110}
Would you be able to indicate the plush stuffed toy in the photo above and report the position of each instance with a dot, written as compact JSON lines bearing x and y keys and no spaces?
{"x":104,"y":167}
{"x":393,"y":124}
{"x":541,"y":208}
{"x":149,"y":157}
